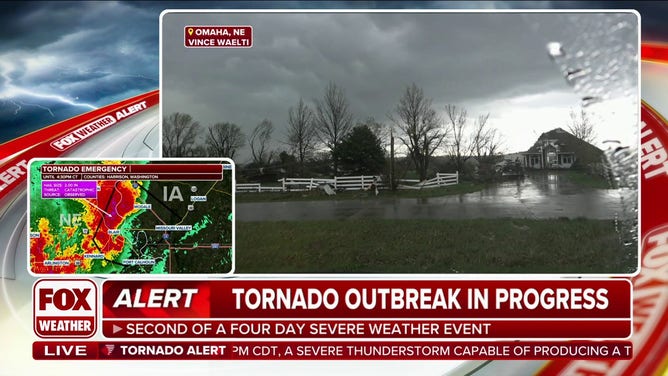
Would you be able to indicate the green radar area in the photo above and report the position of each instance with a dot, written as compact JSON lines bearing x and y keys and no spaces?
{"x":131,"y":216}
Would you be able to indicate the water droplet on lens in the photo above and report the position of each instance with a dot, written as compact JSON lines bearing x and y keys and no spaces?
{"x":574,"y":74}
{"x":554,"y":49}
{"x":589,"y":100}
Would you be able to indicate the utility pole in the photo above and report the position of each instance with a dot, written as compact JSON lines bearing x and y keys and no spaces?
{"x":393,"y":184}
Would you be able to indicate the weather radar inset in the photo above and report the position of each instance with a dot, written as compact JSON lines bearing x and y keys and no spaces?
{"x":130,"y":216}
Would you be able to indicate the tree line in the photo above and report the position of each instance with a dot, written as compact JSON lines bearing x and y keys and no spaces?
{"x":328,"y":125}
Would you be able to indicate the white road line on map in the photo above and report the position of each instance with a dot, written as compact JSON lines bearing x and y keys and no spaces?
{"x":100,"y":209}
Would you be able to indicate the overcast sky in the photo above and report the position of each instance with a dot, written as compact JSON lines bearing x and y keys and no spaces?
{"x":496,"y":63}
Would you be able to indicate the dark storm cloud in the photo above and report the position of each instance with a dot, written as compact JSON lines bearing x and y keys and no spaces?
{"x":360,"y":52}
{"x":94,"y":51}
{"x":20,"y":23}
{"x":475,"y":60}
{"x":60,"y":59}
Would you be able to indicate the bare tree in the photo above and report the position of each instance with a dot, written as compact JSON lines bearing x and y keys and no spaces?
{"x":301,"y":131}
{"x":485,"y":140}
{"x":456,"y":124}
{"x":481,"y":141}
{"x":223,"y":139}
{"x":333,"y":119}
{"x":258,"y":143}
{"x":581,"y":127}
{"x":421,"y":127}
{"x":179,"y":133}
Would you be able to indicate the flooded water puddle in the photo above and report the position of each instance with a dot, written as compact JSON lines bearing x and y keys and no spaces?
{"x":542,"y":196}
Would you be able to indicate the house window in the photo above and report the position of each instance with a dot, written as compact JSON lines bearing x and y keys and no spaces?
{"x":566,"y":159}
{"x":535,"y":161}
{"x":551,"y":158}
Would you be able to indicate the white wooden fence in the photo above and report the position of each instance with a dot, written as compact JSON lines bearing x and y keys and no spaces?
{"x":356,"y":183}
{"x":257,"y":187}
{"x":302,"y":184}
{"x":441,"y":180}
{"x":349,"y":183}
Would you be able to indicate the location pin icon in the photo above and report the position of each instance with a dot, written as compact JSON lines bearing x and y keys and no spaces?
{"x":190,"y":31}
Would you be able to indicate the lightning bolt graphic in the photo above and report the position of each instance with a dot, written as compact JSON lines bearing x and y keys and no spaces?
{"x":19,"y":105}
{"x":10,"y":91}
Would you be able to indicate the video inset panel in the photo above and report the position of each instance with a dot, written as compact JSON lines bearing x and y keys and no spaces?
{"x":131,"y":216}
{"x":415,"y":141}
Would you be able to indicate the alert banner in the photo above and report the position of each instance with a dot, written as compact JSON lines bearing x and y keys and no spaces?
{"x":367,"y":309}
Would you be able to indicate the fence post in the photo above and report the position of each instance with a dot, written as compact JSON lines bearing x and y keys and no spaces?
{"x":457,"y":176}
{"x":283,"y":184}
{"x":363,"y":186}
{"x":310,"y":186}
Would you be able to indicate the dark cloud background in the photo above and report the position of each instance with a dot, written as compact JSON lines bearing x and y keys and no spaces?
{"x":61,"y":59}
{"x":57,"y":59}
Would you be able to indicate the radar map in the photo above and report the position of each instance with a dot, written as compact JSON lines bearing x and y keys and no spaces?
{"x":130,"y":217}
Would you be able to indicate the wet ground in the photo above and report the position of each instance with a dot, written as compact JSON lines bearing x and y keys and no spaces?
{"x":541,"y":195}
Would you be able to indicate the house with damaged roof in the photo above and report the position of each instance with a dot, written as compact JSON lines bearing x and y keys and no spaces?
{"x":559,"y":149}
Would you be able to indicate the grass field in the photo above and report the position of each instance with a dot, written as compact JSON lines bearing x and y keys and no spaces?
{"x":432,"y":246}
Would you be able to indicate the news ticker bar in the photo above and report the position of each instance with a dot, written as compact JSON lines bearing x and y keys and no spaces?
{"x":337,"y":329}
{"x":326,"y":350}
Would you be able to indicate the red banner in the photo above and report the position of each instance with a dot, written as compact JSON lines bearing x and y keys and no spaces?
{"x":154,"y":168}
{"x":218,"y":36}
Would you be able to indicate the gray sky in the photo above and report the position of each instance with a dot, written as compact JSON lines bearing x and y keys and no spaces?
{"x":496,"y":63}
